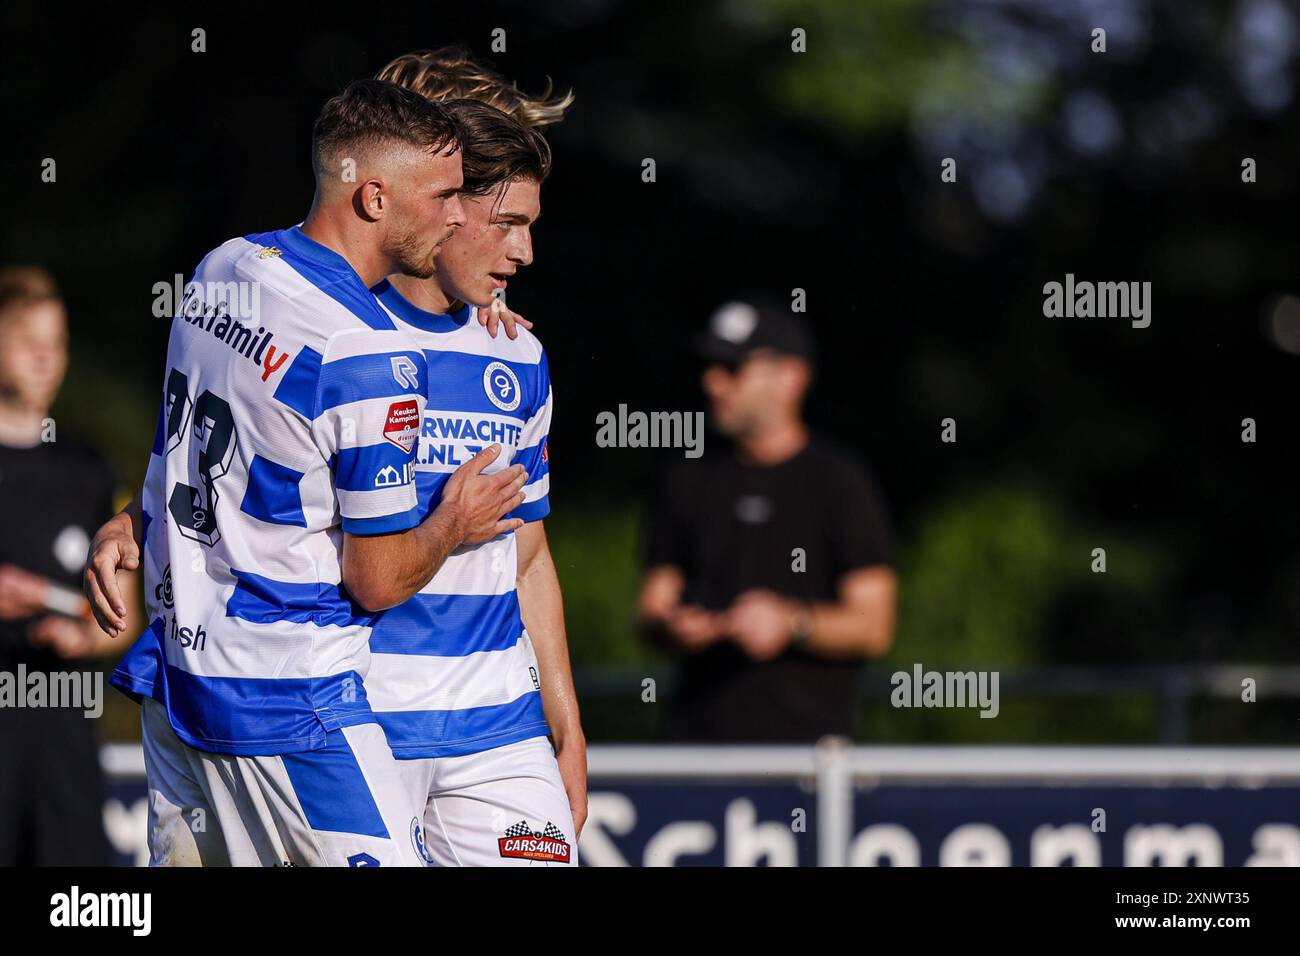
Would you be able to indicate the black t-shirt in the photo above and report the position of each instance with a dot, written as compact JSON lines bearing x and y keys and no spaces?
{"x":53,"y":498}
{"x":731,"y":527}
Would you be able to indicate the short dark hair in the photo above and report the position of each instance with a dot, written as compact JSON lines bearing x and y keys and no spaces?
{"x":368,"y":112}
{"x":497,"y":149}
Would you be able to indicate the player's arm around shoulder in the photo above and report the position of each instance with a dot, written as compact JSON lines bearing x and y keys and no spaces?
{"x":542,"y":607}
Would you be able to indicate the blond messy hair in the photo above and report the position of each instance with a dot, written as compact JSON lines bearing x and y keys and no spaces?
{"x":451,"y":72}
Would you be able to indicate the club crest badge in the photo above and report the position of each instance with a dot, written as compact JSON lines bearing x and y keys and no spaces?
{"x":502,"y":386}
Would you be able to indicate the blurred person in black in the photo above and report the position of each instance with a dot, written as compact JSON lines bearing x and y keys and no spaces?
{"x":53,"y":494}
{"x":769,"y":566}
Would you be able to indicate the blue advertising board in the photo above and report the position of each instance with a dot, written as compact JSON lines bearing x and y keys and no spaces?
{"x":696,"y":815}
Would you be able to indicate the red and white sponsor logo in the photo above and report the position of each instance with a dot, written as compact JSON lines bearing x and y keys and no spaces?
{"x":402,"y":426}
{"x":521,"y":842}
{"x":534,"y":848}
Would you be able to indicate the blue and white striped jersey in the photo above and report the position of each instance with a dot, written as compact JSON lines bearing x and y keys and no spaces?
{"x":290,"y":414}
{"x":452,"y":670}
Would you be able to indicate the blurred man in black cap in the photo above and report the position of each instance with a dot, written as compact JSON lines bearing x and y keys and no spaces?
{"x":769,"y":566}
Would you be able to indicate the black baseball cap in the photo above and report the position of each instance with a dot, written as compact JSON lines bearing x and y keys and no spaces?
{"x":739,"y":328}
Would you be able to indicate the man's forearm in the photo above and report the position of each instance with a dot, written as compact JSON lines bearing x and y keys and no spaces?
{"x":542,"y":608}
{"x":428,"y":546}
{"x":386,"y":570}
{"x":541,"y":605}
{"x":860,"y":624}
{"x":846,"y":633}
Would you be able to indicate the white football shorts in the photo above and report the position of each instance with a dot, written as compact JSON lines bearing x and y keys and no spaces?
{"x":501,"y":807}
{"x":341,"y":805}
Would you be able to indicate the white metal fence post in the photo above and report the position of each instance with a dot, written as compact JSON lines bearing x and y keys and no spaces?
{"x":834,"y":800}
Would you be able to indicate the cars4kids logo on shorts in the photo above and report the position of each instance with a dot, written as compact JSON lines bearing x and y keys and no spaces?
{"x":521,"y":842}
